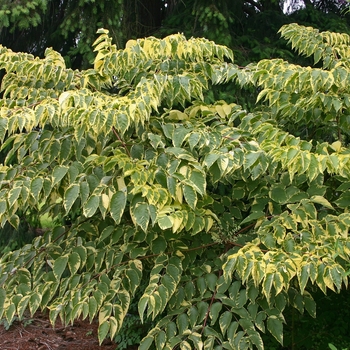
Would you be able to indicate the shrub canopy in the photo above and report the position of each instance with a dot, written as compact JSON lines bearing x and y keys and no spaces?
{"x":211,"y":218}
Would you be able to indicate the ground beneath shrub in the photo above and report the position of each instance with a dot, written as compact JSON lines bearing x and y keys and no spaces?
{"x":36,"y":333}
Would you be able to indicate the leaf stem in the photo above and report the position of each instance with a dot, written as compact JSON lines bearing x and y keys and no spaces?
{"x":123,"y":143}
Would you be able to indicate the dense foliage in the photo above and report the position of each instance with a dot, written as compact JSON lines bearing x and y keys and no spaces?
{"x":247,"y":27}
{"x":212,"y":218}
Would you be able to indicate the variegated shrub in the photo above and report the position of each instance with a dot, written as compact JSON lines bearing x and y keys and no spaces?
{"x":212,"y":218}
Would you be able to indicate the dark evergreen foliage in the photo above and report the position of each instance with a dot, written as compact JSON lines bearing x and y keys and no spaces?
{"x":248,"y":27}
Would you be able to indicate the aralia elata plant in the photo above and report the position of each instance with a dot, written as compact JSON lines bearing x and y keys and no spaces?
{"x":212,"y":218}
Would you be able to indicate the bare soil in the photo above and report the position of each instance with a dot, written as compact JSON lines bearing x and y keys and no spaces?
{"x":37,"y":334}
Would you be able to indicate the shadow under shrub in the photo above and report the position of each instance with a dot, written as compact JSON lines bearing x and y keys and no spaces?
{"x":12,"y":238}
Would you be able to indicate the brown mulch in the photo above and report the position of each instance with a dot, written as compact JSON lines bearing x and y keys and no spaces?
{"x":36,"y":333}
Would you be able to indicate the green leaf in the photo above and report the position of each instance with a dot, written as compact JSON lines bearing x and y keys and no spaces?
{"x":93,"y":307}
{"x":134,"y":279}
{"x":74,"y":262}
{"x":146,"y":342}
{"x":171,"y":330}
{"x":313,"y":169}
{"x":211,"y":280}
{"x":225,"y":321}
{"x":253,"y":217}
{"x":171,"y":184}
{"x":275,"y":327}
{"x":141,"y":215}
{"x":182,"y":323}
{"x":184,"y":345}
{"x":143,"y":302}
{"x":336,"y":276}
{"x":198,"y":181}
{"x":114,"y":327}
{"x":267,"y":284}
{"x":102,"y":331}
{"x":251,"y":158}
{"x":278,"y":194}
{"x":180,"y":153}
{"x":190,"y":196}
{"x":2,"y":300}
{"x":81,"y":250}
{"x":122,"y":122}
{"x":196,"y":339}
{"x":160,"y":340}
{"x":34,"y":303}
{"x":214,"y":312}
{"x":22,"y":306}
{"x":209,"y":343}
{"x":13,"y":195}
{"x":309,"y":304}
{"x":255,"y":338}
{"x":14,"y":221}
{"x":179,"y":135}
{"x":70,"y":196}
{"x":169,"y":283}
{"x":117,"y":206}
{"x":201,"y":285}
{"x":322,"y":201}
{"x":193,"y":140}
{"x":36,"y":186}
{"x":59,"y":266}
{"x":3,"y":207}
{"x":192,"y":316}
{"x":210,"y":159}
{"x":90,"y":207}
{"x":202,"y":310}
{"x":10,"y":313}
{"x":137,"y":151}
{"x":58,"y":173}
{"x":303,"y":277}
{"x":105,"y":310}
{"x":165,"y":222}
{"x":158,"y":245}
